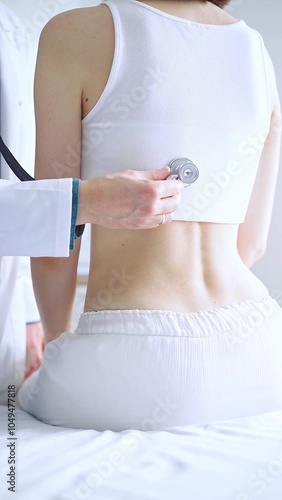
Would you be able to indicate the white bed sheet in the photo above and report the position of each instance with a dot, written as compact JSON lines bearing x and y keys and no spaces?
{"x":232,"y":460}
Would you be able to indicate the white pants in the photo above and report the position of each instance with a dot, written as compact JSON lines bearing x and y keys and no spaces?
{"x":150,"y":370}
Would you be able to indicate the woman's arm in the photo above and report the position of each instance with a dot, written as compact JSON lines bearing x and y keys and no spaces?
{"x":253,"y":233}
{"x":58,"y":92}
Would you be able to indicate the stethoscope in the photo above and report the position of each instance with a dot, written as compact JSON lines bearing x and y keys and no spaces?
{"x":183,"y":169}
{"x":13,"y":163}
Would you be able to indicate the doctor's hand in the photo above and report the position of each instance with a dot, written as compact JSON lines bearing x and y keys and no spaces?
{"x":35,"y":346}
{"x":130,"y":199}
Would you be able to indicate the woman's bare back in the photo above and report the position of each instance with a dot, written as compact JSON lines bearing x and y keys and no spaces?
{"x":182,"y":266}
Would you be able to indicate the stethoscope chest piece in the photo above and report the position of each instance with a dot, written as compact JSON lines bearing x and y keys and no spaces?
{"x":183,"y":169}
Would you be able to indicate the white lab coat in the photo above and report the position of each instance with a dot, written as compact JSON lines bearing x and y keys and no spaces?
{"x":34,"y":216}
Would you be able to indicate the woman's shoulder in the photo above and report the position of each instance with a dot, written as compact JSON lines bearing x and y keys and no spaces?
{"x":71,"y":25}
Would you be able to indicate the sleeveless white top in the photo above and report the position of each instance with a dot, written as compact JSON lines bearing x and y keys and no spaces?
{"x":178,"y":88}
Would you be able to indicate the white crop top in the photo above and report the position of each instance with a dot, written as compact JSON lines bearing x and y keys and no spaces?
{"x":183,"y":89}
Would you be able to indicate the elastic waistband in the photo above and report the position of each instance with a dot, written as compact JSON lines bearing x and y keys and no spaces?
{"x":250,"y":313}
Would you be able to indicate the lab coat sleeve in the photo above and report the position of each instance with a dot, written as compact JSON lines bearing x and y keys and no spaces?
{"x":35,"y":218}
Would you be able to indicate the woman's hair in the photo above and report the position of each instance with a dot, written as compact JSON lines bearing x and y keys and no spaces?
{"x":220,"y":3}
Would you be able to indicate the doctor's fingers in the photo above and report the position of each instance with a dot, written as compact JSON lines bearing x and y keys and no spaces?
{"x":167,"y":205}
{"x":168,"y":187}
{"x":162,"y":213}
{"x":150,"y":215}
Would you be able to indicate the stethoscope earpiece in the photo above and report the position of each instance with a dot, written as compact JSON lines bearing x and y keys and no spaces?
{"x":183,"y":169}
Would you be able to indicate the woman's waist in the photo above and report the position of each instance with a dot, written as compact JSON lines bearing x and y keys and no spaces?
{"x":186,"y":289}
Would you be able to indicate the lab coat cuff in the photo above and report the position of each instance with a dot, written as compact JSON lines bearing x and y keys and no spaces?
{"x":76,"y":231}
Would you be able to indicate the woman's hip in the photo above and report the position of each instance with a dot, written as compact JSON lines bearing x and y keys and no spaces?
{"x":155,"y":369}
